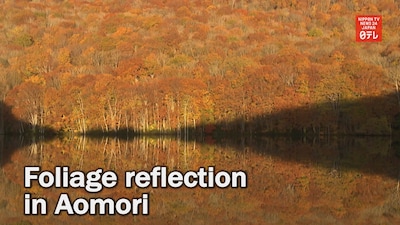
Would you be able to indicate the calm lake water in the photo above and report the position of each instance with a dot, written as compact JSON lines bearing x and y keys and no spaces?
{"x":319,"y":181}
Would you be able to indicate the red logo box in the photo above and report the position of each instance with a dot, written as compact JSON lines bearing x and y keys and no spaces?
{"x":368,"y":28}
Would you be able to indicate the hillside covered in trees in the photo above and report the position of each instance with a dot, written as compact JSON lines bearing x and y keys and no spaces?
{"x":162,"y":66}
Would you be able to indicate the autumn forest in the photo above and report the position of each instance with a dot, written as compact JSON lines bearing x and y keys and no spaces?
{"x":279,"y":89}
{"x":246,"y":67}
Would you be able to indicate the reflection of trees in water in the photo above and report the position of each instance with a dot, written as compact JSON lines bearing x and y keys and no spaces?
{"x":283,"y":175}
{"x":351,"y":177}
{"x":116,"y":153}
{"x":111,"y":151}
{"x":36,"y":149}
{"x":80,"y":148}
{"x":34,"y":146}
{"x":336,"y":156}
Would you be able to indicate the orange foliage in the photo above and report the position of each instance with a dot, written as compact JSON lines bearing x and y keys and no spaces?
{"x":151,"y":65}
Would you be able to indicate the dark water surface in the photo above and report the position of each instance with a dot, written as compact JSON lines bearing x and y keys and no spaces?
{"x":314,"y":181}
